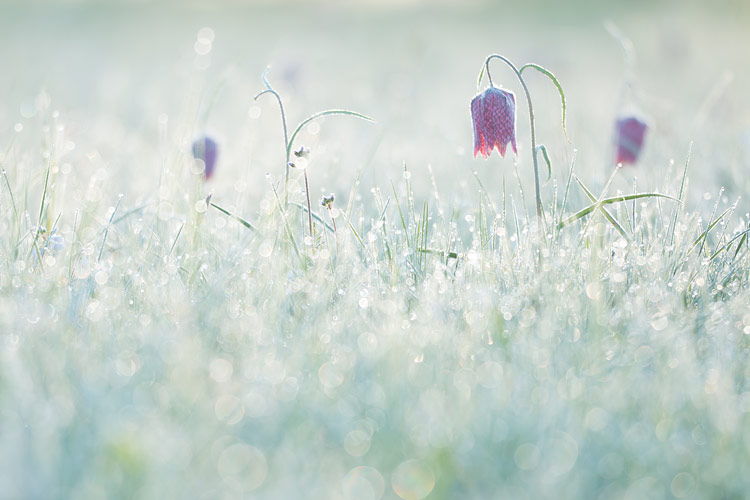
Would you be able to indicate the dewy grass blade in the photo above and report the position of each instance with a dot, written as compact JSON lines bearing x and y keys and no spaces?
{"x":597,"y":199}
{"x":352,"y":193}
{"x":675,"y":214}
{"x":567,"y":186}
{"x":401,"y":215}
{"x":233,"y":216}
{"x":354,"y":231}
{"x":177,"y":237}
{"x":710,"y":227}
{"x":607,"y":201}
{"x":485,"y":193}
{"x":286,"y":225}
{"x":38,"y":228}
{"x":597,"y":204}
{"x":443,"y":253}
{"x":726,"y":246}
{"x":314,"y":215}
{"x":130,"y":212}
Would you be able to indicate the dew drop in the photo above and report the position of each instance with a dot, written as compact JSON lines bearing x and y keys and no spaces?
{"x":363,"y":483}
{"x":413,"y":480}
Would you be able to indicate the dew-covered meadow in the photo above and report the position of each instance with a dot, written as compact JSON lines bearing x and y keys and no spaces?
{"x":170,"y":327}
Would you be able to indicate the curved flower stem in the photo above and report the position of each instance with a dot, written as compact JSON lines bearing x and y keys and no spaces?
{"x":317,"y":115}
{"x":486,"y":67}
{"x":309,"y":207}
{"x":288,"y":141}
{"x":297,"y":130}
{"x":626,"y":88}
{"x":287,"y":149}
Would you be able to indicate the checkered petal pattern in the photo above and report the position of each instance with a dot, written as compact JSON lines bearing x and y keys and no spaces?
{"x":493,"y":113}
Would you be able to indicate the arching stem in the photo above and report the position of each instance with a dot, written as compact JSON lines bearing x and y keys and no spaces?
{"x":309,"y":206}
{"x":486,"y":68}
{"x":270,"y":90}
{"x":625,"y":89}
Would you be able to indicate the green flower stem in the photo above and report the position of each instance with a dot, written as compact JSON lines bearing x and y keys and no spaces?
{"x":309,"y":206}
{"x":287,"y":148}
{"x":289,"y":141}
{"x":486,"y":67}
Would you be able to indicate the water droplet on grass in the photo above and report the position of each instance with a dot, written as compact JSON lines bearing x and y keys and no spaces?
{"x":413,"y":480}
{"x":659,"y":322}
{"x":363,"y":483}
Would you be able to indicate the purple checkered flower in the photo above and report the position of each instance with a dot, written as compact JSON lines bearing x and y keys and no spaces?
{"x":630,"y":132}
{"x":206,"y":150}
{"x":494,"y":115}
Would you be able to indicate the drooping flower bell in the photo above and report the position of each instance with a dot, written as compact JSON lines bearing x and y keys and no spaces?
{"x":629,"y":135}
{"x":494,"y":115}
{"x":206,"y":150}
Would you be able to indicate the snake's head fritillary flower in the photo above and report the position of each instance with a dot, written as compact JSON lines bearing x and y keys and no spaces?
{"x":630,"y":132}
{"x":494,"y":115}
{"x":206,"y":150}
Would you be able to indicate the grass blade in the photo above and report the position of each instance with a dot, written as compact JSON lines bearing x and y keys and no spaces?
{"x":314,"y":215}
{"x":742,"y":235}
{"x":673,"y":224}
{"x":710,"y":227}
{"x":608,"y":201}
{"x":233,"y":216}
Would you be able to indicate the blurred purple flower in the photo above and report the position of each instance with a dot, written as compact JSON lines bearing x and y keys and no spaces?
{"x":51,"y":243}
{"x":630,"y":132}
{"x":494,"y":115}
{"x":55,"y":241}
{"x":205,"y":149}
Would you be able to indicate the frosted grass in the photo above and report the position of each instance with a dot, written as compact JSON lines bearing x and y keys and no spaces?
{"x":226,"y":362}
{"x":155,"y":346}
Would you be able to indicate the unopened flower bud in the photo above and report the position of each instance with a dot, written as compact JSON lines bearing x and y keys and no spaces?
{"x":302,"y":152}
{"x":206,"y":150}
{"x":327,"y":201}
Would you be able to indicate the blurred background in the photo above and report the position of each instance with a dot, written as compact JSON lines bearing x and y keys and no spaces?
{"x":126,"y":85}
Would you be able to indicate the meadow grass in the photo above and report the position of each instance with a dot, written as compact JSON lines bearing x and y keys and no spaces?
{"x":422,"y":341}
{"x":157,"y":356}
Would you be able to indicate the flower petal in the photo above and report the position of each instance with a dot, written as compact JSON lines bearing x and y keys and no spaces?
{"x":630,"y":133}
{"x":477,"y":116}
